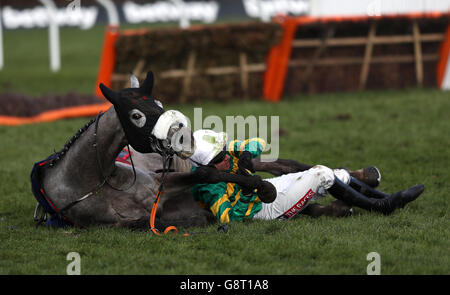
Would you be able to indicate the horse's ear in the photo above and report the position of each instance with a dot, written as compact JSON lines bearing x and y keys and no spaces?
{"x":109,"y":94}
{"x":147,"y":86}
{"x":134,"y":82}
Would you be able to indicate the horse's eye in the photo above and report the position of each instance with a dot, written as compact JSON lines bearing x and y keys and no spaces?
{"x":137,"y":118}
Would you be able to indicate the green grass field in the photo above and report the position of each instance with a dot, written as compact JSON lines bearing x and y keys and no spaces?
{"x":405,"y":133}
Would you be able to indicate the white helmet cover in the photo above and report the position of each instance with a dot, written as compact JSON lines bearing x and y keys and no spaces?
{"x":165,"y":121}
{"x":207,"y":145}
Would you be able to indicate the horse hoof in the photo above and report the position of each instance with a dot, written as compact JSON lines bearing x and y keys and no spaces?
{"x":222,"y":228}
{"x":340,"y":209}
{"x":372,"y":176}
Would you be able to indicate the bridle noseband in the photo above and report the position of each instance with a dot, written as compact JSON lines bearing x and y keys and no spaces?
{"x":161,"y":146}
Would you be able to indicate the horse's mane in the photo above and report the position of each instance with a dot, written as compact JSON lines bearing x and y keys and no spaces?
{"x":58,"y":155}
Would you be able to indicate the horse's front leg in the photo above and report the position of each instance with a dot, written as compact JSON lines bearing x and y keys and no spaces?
{"x":280,"y":166}
{"x":370,"y":175}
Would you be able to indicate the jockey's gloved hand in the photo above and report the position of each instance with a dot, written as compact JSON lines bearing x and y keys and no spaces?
{"x":246,"y":191}
{"x":254,"y":182}
{"x":245,"y":163}
{"x":267,"y":192}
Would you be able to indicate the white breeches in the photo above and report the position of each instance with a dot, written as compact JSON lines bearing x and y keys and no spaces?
{"x":296,"y":190}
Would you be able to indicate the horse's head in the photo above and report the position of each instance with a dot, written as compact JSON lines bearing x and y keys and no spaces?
{"x":148,"y":128}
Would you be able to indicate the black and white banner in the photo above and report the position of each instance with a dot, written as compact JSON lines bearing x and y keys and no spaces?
{"x":85,"y":15}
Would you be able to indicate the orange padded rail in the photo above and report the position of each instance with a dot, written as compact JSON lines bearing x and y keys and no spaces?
{"x":69,"y":112}
{"x":443,"y":60}
{"x":108,"y":58}
{"x":106,"y":70}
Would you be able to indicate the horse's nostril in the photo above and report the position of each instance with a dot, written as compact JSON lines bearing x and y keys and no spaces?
{"x":181,"y":139}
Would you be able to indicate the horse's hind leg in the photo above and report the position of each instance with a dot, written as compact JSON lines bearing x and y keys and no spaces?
{"x":142,"y":223}
{"x":336,"y":208}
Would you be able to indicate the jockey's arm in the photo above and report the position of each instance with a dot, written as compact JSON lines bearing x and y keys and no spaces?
{"x":216,"y":198}
{"x":245,"y":151}
{"x":254,"y":146}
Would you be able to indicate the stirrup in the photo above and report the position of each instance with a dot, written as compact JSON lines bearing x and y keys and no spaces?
{"x":40,"y":215}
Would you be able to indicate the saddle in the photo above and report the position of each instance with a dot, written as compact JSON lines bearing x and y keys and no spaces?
{"x":46,"y":212}
{"x":44,"y":206}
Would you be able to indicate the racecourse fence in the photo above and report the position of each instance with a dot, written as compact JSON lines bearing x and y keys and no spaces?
{"x":288,"y":56}
{"x":220,"y":62}
{"x":356,"y":53}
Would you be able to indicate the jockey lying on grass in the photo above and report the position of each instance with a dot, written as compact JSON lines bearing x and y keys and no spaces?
{"x":294,"y":191}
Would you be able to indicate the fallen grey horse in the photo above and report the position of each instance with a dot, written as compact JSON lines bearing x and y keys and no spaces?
{"x":84,"y":185}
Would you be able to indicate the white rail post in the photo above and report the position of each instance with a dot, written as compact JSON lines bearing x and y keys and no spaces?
{"x":53,"y":31}
{"x":1,"y":42}
{"x":111,"y":11}
{"x":184,"y":19}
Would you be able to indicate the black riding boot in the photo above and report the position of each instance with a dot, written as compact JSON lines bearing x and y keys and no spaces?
{"x":387,"y":205}
{"x":366,"y":189}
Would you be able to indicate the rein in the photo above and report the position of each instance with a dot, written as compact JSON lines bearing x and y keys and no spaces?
{"x":223,"y":228}
{"x":167,"y":159}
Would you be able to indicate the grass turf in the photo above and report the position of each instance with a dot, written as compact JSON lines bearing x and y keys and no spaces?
{"x":404,"y":133}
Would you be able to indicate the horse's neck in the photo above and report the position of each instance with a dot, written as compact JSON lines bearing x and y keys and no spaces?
{"x":83,"y":159}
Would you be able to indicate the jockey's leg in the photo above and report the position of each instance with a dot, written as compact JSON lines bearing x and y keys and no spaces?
{"x":367,"y":190}
{"x":295,"y":191}
{"x":358,"y":185}
{"x":387,"y":205}
{"x":336,"y":208}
